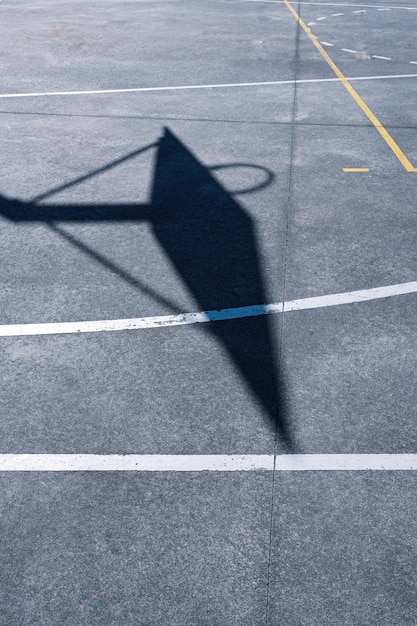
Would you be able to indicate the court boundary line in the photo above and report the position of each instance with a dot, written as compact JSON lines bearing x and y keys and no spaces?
{"x":138,"y":323}
{"x":338,"y":4}
{"x":206,"y":462}
{"x":271,"y":83}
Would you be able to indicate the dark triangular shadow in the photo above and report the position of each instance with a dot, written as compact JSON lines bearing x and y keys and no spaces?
{"x":210,"y":239}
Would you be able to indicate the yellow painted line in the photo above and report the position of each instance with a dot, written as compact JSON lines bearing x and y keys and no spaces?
{"x":356,"y":169}
{"x":371,"y":117}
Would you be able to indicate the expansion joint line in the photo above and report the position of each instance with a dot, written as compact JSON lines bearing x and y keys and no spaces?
{"x":281,"y":329}
{"x":369,"y":114}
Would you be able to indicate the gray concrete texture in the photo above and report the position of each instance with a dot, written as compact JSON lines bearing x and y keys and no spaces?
{"x":238,"y":195}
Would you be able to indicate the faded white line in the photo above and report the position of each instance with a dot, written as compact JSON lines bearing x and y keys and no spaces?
{"x":413,"y":62}
{"x":97,"y":92}
{"x":206,"y":462}
{"x":341,"y":4}
{"x":349,"y":50}
{"x":137,"y":323}
{"x":326,"y":43}
{"x":388,"y":76}
{"x":376,"y":56}
{"x":337,"y":4}
{"x":94,"y":92}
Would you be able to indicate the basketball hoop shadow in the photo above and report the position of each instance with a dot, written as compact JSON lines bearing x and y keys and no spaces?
{"x":209,"y":239}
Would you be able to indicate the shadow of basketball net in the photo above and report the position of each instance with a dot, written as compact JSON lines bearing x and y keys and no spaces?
{"x":209,"y":239}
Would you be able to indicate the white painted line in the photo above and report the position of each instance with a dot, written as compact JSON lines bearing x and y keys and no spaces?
{"x":195,"y":87}
{"x":388,"y":76}
{"x":345,"y":462}
{"x":341,"y":4}
{"x":348,"y":297}
{"x":142,"y":89}
{"x":326,"y":43}
{"x":137,"y":323}
{"x":337,"y":4}
{"x":311,"y":24}
{"x":361,"y":12}
{"x":337,"y":14}
{"x":413,"y":62}
{"x":319,"y":19}
{"x":134,"y":463}
{"x":375,"y":56}
{"x":348,"y":50}
{"x":206,"y":462}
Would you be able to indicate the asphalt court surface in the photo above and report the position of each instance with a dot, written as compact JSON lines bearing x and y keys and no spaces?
{"x":140,"y":204}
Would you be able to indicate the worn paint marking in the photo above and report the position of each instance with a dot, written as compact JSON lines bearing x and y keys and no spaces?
{"x":206,"y":462}
{"x":361,"y":103}
{"x":137,"y":323}
{"x":356,"y":169}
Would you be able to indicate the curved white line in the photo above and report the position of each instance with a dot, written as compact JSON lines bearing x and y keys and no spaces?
{"x":136,"y":323}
